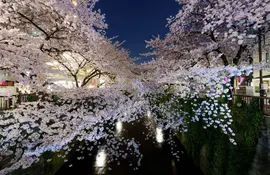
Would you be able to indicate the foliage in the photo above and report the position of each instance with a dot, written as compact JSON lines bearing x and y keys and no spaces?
{"x":248,"y":128}
{"x":221,"y":156}
{"x":43,"y":167}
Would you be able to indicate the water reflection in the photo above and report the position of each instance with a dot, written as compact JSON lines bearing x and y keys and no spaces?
{"x":157,"y":158}
{"x":119,"y":127}
{"x":101,"y":158}
{"x":159,"y":135}
{"x":149,"y":114}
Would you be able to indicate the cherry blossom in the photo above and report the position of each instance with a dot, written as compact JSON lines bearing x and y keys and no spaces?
{"x":214,"y":32}
{"x":42,"y":41}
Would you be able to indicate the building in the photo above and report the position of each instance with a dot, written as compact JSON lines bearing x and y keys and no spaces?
{"x":251,"y":85}
{"x":8,"y":92}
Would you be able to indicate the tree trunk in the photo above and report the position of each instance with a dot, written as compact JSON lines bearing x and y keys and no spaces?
{"x":237,"y":58}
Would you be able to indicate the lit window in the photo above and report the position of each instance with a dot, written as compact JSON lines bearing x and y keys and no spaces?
{"x":267,"y":57}
{"x":74,"y":2}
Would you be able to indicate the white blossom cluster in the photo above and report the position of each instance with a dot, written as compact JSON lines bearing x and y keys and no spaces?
{"x":37,"y":127}
{"x":200,"y":95}
{"x":240,"y":17}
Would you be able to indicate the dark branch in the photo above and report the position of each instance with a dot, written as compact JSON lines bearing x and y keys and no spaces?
{"x":237,"y":58}
{"x":39,"y":28}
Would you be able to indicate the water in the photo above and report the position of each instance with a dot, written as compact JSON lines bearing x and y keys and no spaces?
{"x":156,"y":151}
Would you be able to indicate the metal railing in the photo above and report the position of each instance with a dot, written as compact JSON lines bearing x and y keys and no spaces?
{"x":7,"y":103}
{"x":266,"y":101}
{"x":10,"y":102}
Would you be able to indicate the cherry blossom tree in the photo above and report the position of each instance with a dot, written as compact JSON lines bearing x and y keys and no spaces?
{"x":212,"y":32}
{"x":56,"y":37}
{"x":39,"y":40}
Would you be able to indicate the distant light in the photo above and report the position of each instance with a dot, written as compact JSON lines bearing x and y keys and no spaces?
{"x":239,"y":104}
{"x":67,"y":55}
{"x":50,"y":88}
{"x":65,"y":84}
{"x":102,"y":81}
{"x":159,"y":135}
{"x":91,"y":86}
{"x":119,"y":127}
{"x":74,"y":2}
{"x":101,"y":158}
{"x":28,"y":73}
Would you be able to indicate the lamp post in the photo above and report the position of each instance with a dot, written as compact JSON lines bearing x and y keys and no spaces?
{"x":260,"y":60}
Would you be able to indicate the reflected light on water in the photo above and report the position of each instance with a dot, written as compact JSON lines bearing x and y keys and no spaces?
{"x":119,"y":127}
{"x":159,"y":135}
{"x":101,"y":158}
{"x":149,"y":114}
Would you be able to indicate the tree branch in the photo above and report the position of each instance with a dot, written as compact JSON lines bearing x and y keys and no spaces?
{"x":237,"y":58}
{"x":34,"y":24}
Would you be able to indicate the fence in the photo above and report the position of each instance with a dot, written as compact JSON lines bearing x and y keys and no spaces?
{"x":7,"y":102}
{"x":10,"y":102}
{"x":266,"y":101}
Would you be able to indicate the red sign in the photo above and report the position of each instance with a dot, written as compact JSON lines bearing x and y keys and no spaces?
{"x":240,"y":80}
{"x":7,"y":83}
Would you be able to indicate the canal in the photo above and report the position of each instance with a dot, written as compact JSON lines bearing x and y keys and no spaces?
{"x":160,"y":154}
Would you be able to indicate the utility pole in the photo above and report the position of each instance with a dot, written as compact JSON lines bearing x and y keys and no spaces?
{"x":261,"y":74}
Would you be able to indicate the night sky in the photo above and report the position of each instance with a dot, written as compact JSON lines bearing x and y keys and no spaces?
{"x":137,"y":20}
